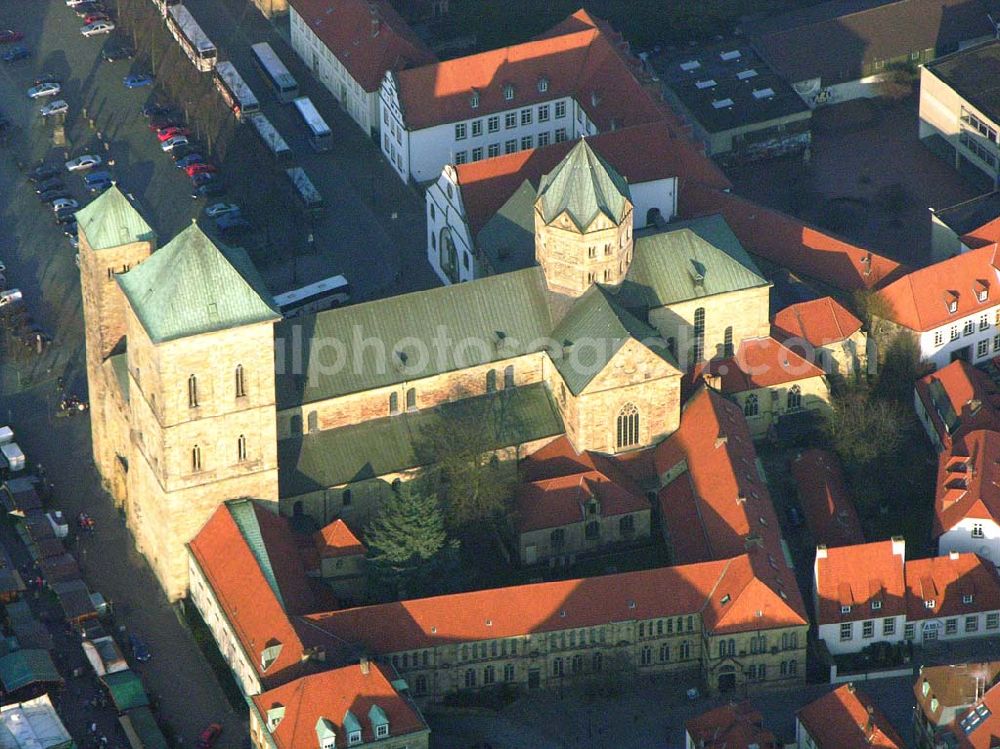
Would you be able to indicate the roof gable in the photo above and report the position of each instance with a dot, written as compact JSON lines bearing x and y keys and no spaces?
{"x":110,"y":220}
{"x":820,"y":322}
{"x":583,"y":185}
{"x":190,"y":286}
{"x":847,"y":719}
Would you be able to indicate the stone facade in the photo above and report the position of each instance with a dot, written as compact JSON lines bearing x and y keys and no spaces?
{"x":541,"y":545}
{"x":763,"y":407}
{"x":574,"y":260}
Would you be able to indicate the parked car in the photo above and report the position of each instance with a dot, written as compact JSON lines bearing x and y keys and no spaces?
{"x":155,"y":110}
{"x":138,"y":80}
{"x":140,"y":651}
{"x":9,"y":35}
{"x":43,"y":172}
{"x":97,"y":15}
{"x":65,"y":216}
{"x":87,"y":161}
{"x":71,"y":230}
{"x":54,"y":194}
{"x":211,"y":190}
{"x":50,"y":184}
{"x":170,"y":145}
{"x":86,"y":8}
{"x":114,"y":51}
{"x":101,"y":27}
{"x":220,"y":209}
{"x":60,"y":203}
{"x":76,"y":3}
{"x":202,"y":179}
{"x":99,"y":186}
{"x":200,"y":168}
{"x":45,"y":89}
{"x":96,"y":177}
{"x":171,"y":131}
{"x":208,"y":737}
{"x":183,"y":162}
{"x":59,"y":106}
{"x":16,"y":53}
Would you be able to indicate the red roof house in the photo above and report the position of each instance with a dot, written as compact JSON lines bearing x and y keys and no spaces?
{"x":826,"y":503}
{"x":737,"y":725}
{"x":845,"y":719}
{"x":956,"y":400}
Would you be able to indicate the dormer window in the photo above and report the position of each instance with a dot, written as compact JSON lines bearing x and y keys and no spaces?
{"x":269,"y":654}
{"x":543,"y":84}
{"x":876,"y":605}
{"x":930,"y":603}
{"x":846,"y":609}
{"x":326,"y":734}
{"x":967,"y":598}
{"x":352,"y":727}
{"x":354,"y":738}
{"x":381,"y":731}
{"x":379,"y":721}
{"x":951,"y":300}
{"x":508,"y":92}
{"x":982,"y":288}
{"x":474,"y":100}
{"x":274,"y":716}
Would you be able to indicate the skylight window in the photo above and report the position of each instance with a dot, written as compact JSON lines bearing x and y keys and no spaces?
{"x":747,"y":74}
{"x":690,"y":65}
{"x":763,"y":93}
{"x":734,"y":54}
{"x":705,"y":84}
{"x":722,"y":103}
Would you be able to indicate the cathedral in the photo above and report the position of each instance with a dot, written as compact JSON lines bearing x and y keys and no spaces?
{"x":201,"y":392}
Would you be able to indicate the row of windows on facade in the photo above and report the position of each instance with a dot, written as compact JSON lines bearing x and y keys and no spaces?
{"x":889,"y":627}
{"x":511,"y":119}
{"x":759,"y":644}
{"x":592,"y":531}
{"x":239,"y":389}
{"x":968,"y":328}
{"x":978,"y":125}
{"x":793,"y":401}
{"x":492,"y":150}
{"x":241,"y":453}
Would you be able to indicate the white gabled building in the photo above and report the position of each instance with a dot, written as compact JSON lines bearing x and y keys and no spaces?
{"x":349,"y":45}
{"x":480,"y":215}
{"x":868,"y":593}
{"x":576,"y":79}
{"x":951,"y":307}
{"x":967,"y":500}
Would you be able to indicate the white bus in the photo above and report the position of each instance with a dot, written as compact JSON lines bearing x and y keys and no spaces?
{"x":285,"y":86}
{"x":270,"y":137}
{"x":235,"y":92}
{"x":316,"y":297}
{"x":195,"y":43}
{"x":304,"y":188}
{"x":320,"y":136}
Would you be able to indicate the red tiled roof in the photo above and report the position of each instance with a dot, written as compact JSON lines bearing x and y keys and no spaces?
{"x":966,"y":391}
{"x":336,"y":540}
{"x":762,"y":363}
{"x":329,"y":695}
{"x":244,"y":594}
{"x":719,"y":507}
{"x":986,"y":729}
{"x":952,"y":687}
{"x":556,"y":502}
{"x":820,"y":322}
{"x":732,"y":726}
{"x":945,"y":580}
{"x":988,"y":233}
{"x":847,"y":719}
{"x":347,"y":27}
{"x":920,"y":299}
{"x":642,"y":153}
{"x":855,"y":576}
{"x":786,"y":241}
{"x":580,"y":60}
{"x":826,"y":504}
{"x":553,"y":606}
{"x":968,"y":481}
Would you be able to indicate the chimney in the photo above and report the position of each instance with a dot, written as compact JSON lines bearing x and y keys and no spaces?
{"x":898,"y":546}
{"x":870,"y":724}
{"x":365,"y":665}
{"x":714,"y":381}
{"x":953,"y":555}
{"x":821,"y":551}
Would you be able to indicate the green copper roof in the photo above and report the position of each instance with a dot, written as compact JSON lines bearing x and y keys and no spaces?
{"x":190,"y":286}
{"x":375,"y":448}
{"x":687,"y":260}
{"x":508,"y":238}
{"x":110,"y":220}
{"x":591,"y":334}
{"x":245,"y":517}
{"x":584,"y":185}
{"x":358,"y":347}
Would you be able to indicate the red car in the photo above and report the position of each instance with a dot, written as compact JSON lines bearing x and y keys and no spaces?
{"x":208,"y":737}
{"x":194,"y":169}
{"x":95,"y":17}
{"x":9,"y":35}
{"x":171,"y":132}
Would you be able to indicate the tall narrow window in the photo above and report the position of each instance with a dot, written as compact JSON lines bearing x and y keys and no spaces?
{"x":628,"y":426}
{"x":491,"y":381}
{"x":312,"y":421}
{"x":794,"y":398}
{"x":411,"y":399}
{"x":393,"y":404}
{"x":192,"y":392}
{"x":698,"y":352}
{"x":751,"y":406}
{"x":241,"y":389}
{"x":727,"y":345}
{"x":241,"y":448}
{"x":196,"y":458}
{"x":508,"y":376}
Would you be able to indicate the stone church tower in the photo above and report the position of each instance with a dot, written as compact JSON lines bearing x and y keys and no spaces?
{"x":583,"y":223}
{"x":193,"y":375}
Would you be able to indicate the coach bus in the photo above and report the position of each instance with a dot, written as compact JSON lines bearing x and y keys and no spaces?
{"x":304,"y":188}
{"x":235,"y":92}
{"x":286,"y":88}
{"x":270,"y":137}
{"x":316,"y":297}
{"x":195,"y":43}
{"x":320,"y":136}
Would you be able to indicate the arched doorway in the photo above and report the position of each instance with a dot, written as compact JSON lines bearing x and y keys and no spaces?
{"x":727,"y":679}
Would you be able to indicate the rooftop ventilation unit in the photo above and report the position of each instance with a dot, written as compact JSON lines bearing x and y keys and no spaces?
{"x":763,"y":93}
{"x":744,"y":75}
{"x":722,"y":103}
{"x":734,"y":54}
{"x":690,"y":65}
{"x":705,"y":84}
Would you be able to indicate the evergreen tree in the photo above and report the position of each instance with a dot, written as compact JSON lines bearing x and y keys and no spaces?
{"x":409,"y":552}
